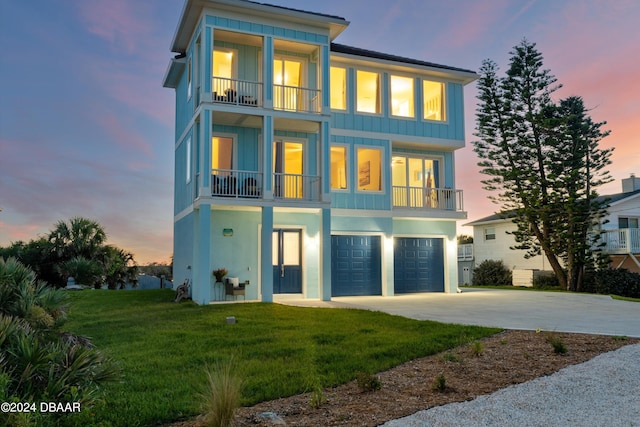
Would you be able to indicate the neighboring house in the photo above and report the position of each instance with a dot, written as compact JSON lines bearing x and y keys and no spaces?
{"x":621,"y":236}
{"x":308,"y":167}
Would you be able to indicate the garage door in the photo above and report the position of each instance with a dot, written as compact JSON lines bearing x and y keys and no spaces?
{"x":355,"y":265}
{"x":418,"y":265}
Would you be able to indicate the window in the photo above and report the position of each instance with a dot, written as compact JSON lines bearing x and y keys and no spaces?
{"x":339,"y":167}
{"x":188,"y":156}
{"x":221,"y":155}
{"x":414,"y":179}
{"x":189,"y":67}
{"x":490,"y":233}
{"x":287,"y":77}
{"x":338,"y":78}
{"x":433,"y":98}
{"x":402,"y":96}
{"x":369,"y":169}
{"x":288,"y":168}
{"x":223,"y":70}
{"x":627,"y":222}
{"x":368,"y":92}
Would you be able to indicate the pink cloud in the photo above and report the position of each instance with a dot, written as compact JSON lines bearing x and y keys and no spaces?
{"x":122,"y":136}
{"x":120,"y":22}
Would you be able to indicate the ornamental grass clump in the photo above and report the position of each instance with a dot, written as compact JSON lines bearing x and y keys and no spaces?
{"x":222,"y":395}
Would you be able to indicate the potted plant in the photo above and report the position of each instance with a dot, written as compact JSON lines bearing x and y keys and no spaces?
{"x":220,"y":273}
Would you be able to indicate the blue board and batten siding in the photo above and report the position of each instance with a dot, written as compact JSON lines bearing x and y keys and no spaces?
{"x":263,"y":29}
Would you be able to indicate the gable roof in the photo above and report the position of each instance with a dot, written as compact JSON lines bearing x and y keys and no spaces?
{"x":507,"y":215}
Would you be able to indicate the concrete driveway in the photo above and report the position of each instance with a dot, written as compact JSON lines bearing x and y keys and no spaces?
{"x":509,"y":309}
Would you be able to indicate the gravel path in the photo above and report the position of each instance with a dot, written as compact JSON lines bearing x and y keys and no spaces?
{"x":605,"y":391}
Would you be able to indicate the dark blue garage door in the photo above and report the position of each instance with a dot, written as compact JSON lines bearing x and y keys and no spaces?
{"x":418,"y":265}
{"x":355,"y":265}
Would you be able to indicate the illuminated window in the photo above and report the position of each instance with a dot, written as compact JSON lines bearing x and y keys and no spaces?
{"x":287,"y":77}
{"x":433,"y":97}
{"x":402,"y":96}
{"x":223,"y":70}
{"x":368,"y":92}
{"x":339,"y":167}
{"x":369,"y":169}
{"x":221,"y":155}
{"x":338,"y":88}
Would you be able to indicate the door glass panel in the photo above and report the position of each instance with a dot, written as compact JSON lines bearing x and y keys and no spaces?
{"x":287,"y":76}
{"x":291,"y":248}
{"x":288,"y":162}
{"x":275,"y":246}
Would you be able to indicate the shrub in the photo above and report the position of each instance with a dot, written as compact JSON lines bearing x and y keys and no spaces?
{"x":222,"y":395}
{"x":545,"y":280}
{"x":367,"y":382}
{"x":38,"y":362}
{"x":617,"y":281}
{"x":491,"y":273}
{"x":558,"y":345}
{"x":440,"y":383}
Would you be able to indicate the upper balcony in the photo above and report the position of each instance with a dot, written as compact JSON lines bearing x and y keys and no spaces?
{"x":427,"y":198}
{"x":238,"y":75}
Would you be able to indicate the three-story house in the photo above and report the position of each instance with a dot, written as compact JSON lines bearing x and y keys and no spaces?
{"x":308,"y":167}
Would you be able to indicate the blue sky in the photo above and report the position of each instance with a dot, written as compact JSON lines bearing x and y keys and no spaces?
{"x":86,"y":128}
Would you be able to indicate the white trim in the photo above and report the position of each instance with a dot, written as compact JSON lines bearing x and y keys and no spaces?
{"x":183,"y":213}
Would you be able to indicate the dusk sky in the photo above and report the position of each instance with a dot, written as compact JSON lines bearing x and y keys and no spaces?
{"x":86,"y":128}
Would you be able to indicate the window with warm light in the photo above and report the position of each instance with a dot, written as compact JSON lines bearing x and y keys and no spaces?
{"x":402,"y":103}
{"x":368,"y":92}
{"x":223,"y":63}
{"x":369,"y":162}
{"x":339,"y":167}
{"x":287,"y":77}
{"x":433,"y":100}
{"x":338,"y":78}
{"x":221,"y":155}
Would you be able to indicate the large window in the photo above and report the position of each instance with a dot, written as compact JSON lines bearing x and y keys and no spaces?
{"x":415,"y":181}
{"x":338,"y":78}
{"x":369,"y":162}
{"x":223,"y":69}
{"x":402,"y":103}
{"x":433,"y":97}
{"x":368,"y":92}
{"x":339,"y":167}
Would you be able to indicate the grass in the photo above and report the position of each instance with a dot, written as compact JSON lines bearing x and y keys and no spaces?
{"x":618,"y":297}
{"x":164,"y":347}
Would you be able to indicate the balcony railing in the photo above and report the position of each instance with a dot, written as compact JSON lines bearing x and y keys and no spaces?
{"x":237,"y":92}
{"x":427,"y":198}
{"x":236,"y":183}
{"x":296,"y":187}
{"x":294,"y":98}
{"x":621,"y":241}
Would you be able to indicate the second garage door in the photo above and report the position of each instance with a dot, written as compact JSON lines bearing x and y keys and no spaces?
{"x":355,"y":265}
{"x":418,"y":265}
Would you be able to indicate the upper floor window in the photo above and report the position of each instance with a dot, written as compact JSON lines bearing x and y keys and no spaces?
{"x":338,"y":78}
{"x":369,"y":162}
{"x":368,"y":92}
{"x":223,"y":63}
{"x":338,"y":167}
{"x":433,"y":99}
{"x":490,"y":233}
{"x":402,"y":98}
{"x":188,"y":157}
{"x":627,"y":222}
{"x":287,"y":77}
{"x":221,"y":155}
{"x":189,"y":84}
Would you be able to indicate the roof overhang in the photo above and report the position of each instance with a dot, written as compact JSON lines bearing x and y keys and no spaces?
{"x":193,"y":9}
{"x":173,"y":73}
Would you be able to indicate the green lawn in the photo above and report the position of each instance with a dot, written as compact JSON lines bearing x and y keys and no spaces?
{"x":163,"y":347}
